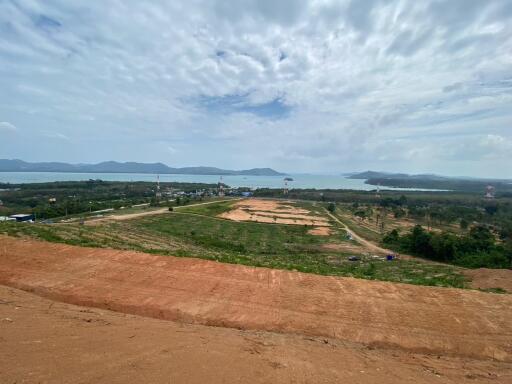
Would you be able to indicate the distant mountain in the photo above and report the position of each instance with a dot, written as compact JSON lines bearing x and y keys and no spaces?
{"x":429,"y":181}
{"x":129,"y":167}
{"x":388,"y":175}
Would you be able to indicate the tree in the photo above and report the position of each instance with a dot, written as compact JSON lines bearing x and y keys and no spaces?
{"x":420,"y":241}
{"x":463,"y":224}
{"x":331,"y":207}
{"x":392,"y":237}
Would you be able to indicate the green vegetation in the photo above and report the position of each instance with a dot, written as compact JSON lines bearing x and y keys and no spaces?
{"x":208,"y":209}
{"x":291,"y":247}
{"x":65,"y":198}
{"x":450,"y":222}
{"x":462,"y":229}
{"x":477,"y":186}
{"x":475,"y":250}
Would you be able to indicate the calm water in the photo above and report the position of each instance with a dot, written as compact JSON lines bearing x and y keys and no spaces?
{"x":300,"y":181}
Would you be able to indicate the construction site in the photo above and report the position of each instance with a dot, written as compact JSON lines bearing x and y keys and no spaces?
{"x":158,"y":318}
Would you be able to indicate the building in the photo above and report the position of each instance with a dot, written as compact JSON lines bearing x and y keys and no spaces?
{"x":23,"y":217}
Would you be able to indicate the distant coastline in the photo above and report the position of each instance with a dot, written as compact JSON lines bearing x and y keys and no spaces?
{"x":15,"y":165}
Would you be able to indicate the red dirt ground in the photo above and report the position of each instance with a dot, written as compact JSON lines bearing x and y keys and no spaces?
{"x":490,"y":278}
{"x":272,"y":211}
{"x":43,"y":341}
{"x":378,"y":314}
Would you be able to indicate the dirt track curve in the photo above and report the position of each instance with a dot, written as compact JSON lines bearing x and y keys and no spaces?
{"x":378,"y":314}
{"x":368,"y":244}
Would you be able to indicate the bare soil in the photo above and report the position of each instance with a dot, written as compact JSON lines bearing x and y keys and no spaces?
{"x":43,"y":341}
{"x":443,"y":321}
{"x":272,"y":211}
{"x":320,"y":231}
{"x":128,"y":216}
{"x":484,"y":278}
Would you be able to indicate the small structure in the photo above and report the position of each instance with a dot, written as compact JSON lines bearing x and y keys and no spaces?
{"x":23,"y":217}
{"x":489,"y":192}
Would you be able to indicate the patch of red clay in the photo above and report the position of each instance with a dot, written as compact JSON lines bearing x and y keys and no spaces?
{"x":378,"y":314}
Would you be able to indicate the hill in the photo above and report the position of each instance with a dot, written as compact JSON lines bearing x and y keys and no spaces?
{"x":128,"y":167}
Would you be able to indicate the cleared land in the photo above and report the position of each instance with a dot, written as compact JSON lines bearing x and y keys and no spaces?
{"x":197,"y":231}
{"x":50,"y":342}
{"x":377,"y":314}
{"x":273,"y":211}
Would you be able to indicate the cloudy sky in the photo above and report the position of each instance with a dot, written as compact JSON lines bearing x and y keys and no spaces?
{"x":300,"y":86}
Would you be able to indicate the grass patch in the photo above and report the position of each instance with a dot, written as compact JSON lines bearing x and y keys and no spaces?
{"x":493,"y":290}
{"x":213,"y":209}
{"x":255,"y":244}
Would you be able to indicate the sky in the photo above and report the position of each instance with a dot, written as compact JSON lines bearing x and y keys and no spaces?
{"x":299,"y":86}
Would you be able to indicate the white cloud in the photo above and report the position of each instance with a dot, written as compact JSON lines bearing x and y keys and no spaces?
{"x":5,"y":125}
{"x":359,"y":84}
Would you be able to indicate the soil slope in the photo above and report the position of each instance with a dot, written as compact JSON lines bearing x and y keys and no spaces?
{"x":42,"y":341}
{"x":377,"y":314}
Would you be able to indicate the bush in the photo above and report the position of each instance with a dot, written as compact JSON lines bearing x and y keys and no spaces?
{"x":477,"y":249}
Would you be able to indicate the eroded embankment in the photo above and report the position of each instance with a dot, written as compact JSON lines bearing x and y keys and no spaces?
{"x":422,"y":319}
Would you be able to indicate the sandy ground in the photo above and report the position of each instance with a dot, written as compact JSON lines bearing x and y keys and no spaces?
{"x":128,"y":216}
{"x":272,"y":211}
{"x":377,"y":314}
{"x":43,"y":341}
{"x":490,"y":278}
{"x":320,"y":231}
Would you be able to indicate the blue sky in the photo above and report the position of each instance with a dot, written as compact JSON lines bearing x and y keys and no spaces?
{"x":300,"y":86}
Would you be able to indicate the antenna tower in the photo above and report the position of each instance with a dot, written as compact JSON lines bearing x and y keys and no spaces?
{"x":158,"y":194}
{"x":221,"y":187}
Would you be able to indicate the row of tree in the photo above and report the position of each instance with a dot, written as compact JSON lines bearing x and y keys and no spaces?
{"x":478,"y":248}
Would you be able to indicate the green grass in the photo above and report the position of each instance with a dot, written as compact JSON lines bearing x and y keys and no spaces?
{"x":493,"y":290}
{"x":256,"y":244}
{"x":213,"y":209}
{"x":345,"y":217}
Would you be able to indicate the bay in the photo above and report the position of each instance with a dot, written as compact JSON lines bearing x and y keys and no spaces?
{"x":299,"y":180}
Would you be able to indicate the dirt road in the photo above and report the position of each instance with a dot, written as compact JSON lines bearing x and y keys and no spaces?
{"x":43,"y":341}
{"x":129,"y":216}
{"x":365,"y":243}
{"x":378,"y":314}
